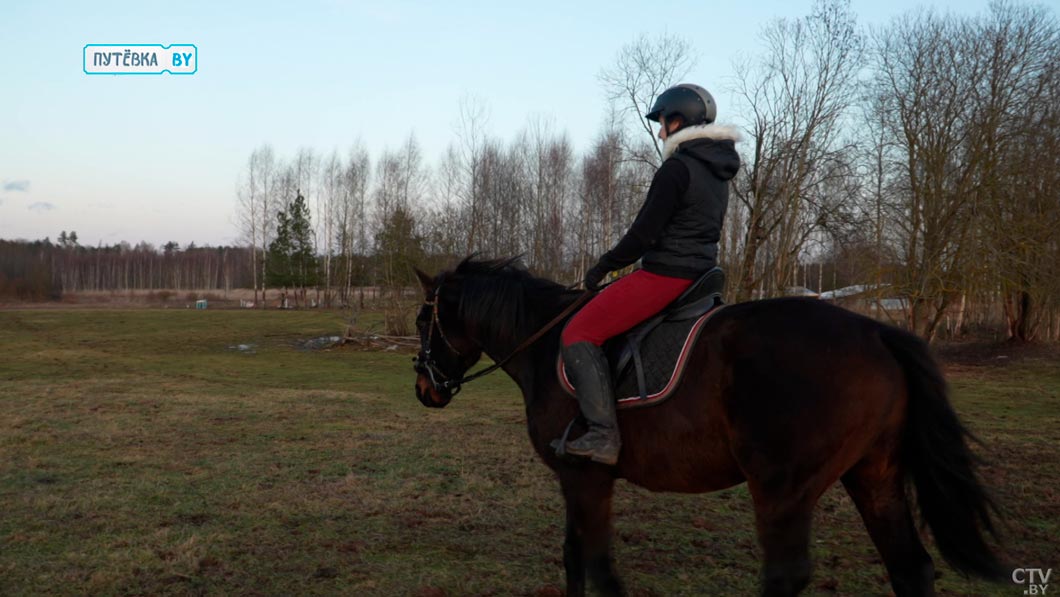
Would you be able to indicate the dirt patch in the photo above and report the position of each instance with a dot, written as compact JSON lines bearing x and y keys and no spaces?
{"x":321,"y":343}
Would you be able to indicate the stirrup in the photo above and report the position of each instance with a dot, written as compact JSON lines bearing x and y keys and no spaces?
{"x":560,"y":445}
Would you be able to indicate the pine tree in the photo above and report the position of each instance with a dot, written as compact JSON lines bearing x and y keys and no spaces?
{"x":400,"y":248}
{"x":302,"y":256}
{"x":278,"y":258}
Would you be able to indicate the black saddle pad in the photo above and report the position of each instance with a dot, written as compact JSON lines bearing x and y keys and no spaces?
{"x":648,"y":360}
{"x":664,"y":353}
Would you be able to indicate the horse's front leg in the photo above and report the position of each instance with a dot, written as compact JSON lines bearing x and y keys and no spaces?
{"x":573,"y":561}
{"x":587,"y":547}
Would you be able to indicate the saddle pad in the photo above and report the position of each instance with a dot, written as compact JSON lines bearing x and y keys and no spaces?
{"x":664,"y":354}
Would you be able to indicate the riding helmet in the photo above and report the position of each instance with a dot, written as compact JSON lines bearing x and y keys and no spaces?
{"x":694,"y":104}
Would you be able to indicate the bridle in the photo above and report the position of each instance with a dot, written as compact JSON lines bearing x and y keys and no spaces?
{"x":429,"y":366}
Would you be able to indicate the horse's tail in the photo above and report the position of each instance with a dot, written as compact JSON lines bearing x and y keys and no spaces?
{"x":953,"y":502}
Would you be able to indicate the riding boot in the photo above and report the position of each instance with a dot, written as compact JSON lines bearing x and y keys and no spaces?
{"x":588,"y":371}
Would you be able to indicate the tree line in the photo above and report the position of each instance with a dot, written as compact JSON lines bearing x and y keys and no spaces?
{"x":45,"y":270}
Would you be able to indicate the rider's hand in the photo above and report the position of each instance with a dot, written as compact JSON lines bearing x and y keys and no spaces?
{"x":594,"y":276}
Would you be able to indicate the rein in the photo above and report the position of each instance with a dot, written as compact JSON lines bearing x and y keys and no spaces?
{"x":431,"y":367}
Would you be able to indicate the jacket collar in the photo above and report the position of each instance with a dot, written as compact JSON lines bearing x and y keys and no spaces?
{"x":700,"y":131}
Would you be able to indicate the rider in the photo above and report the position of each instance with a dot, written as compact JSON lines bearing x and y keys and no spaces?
{"x":675,"y":235}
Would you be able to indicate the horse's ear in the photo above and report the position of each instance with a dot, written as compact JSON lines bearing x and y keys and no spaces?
{"x":426,"y":281}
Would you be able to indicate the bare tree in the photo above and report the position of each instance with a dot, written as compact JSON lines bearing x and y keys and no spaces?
{"x":471,"y":141}
{"x":446,"y":225}
{"x":257,"y":207}
{"x":330,"y":215}
{"x":414,"y":176}
{"x":642,"y":70}
{"x":1016,"y":129}
{"x":247,"y":206}
{"x":927,"y":68}
{"x":386,"y":199}
{"x":493,"y":188}
{"x":352,"y":223}
{"x":599,"y":209}
{"x":796,"y":96}
{"x":547,"y":173}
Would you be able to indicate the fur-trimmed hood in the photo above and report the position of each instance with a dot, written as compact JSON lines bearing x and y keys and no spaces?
{"x":717,"y":132}
{"x":712,"y":144}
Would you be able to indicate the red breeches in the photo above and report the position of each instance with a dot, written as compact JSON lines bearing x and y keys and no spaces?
{"x":622,"y":305}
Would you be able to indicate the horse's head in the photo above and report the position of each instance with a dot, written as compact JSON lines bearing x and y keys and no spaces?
{"x":446,"y":349}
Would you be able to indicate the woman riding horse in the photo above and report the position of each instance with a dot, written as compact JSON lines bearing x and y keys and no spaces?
{"x":675,"y":234}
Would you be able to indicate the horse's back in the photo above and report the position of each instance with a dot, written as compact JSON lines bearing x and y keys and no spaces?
{"x":771,"y":382}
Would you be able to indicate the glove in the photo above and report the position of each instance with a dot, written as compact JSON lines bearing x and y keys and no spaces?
{"x":594,"y":276}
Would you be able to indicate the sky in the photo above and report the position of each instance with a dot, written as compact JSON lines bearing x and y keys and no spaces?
{"x":157,"y":158}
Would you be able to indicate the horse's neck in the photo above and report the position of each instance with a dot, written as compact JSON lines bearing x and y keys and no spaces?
{"x":502,"y":348}
{"x":533,"y":368}
{"x":498,"y":346}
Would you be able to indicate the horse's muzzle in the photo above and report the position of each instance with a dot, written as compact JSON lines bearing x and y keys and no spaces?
{"x":428,"y":396}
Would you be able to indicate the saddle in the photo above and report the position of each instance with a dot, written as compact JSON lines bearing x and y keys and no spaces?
{"x":647,"y":362}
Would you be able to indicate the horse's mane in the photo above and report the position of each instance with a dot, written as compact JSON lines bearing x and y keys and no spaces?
{"x":502,"y":297}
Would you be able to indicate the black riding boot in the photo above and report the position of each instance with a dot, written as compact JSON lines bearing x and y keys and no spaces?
{"x":589,"y":374}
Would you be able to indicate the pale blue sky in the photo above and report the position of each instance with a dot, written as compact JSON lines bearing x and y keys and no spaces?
{"x":156,"y":158}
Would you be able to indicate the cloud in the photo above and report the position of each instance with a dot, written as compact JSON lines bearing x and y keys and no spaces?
{"x":41,"y":206}
{"x":16,"y":185}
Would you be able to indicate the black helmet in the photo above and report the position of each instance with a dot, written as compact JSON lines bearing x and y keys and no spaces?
{"x":691,"y":102}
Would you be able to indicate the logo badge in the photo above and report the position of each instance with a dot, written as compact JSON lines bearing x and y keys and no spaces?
{"x":140,"y":59}
{"x":1034,"y":580}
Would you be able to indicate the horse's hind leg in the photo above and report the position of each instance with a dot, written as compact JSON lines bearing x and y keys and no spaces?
{"x":783,"y":529}
{"x":876,"y":485}
{"x":587,"y":493}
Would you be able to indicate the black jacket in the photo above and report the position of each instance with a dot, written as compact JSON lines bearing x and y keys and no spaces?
{"x":677,"y":230}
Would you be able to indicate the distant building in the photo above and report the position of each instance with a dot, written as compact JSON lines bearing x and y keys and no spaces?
{"x":800,"y":291}
{"x":894,"y":304}
{"x":849,"y":291}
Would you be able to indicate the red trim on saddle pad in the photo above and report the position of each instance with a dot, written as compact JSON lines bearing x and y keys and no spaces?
{"x":675,"y":376}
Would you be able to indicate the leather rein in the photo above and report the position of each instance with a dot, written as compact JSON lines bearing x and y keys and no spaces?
{"x":428,"y":365}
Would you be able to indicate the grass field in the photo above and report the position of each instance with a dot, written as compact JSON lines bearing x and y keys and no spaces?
{"x":141,"y":453}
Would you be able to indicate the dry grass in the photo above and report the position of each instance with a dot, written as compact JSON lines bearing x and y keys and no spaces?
{"x":141,"y":454}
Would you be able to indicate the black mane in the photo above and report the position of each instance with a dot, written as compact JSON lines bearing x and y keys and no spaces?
{"x":503,"y":299}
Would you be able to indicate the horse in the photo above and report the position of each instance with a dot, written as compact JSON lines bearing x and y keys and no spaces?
{"x":788,"y":395}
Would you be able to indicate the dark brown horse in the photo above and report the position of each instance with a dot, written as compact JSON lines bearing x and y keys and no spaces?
{"x":787,"y":395}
